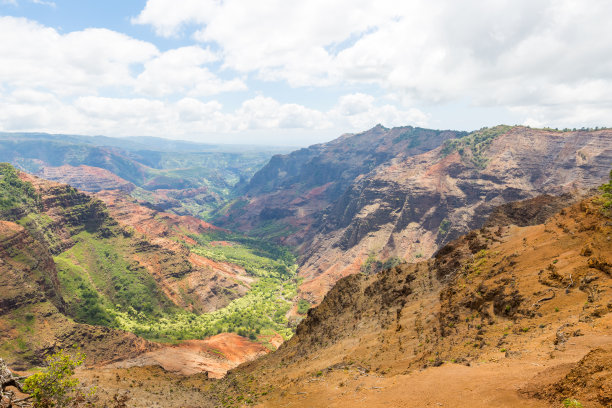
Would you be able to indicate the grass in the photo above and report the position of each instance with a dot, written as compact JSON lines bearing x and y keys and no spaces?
{"x":606,"y":195}
{"x":95,"y":276}
{"x":303,"y":306}
{"x":259,"y":258}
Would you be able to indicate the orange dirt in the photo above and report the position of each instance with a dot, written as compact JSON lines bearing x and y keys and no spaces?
{"x":216,"y":355}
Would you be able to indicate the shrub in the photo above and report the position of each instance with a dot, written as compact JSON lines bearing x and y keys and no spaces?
{"x":571,"y":403}
{"x":303,"y":306}
{"x":607,"y":195}
{"x":55,"y":386}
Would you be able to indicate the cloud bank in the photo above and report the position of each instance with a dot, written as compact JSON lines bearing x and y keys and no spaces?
{"x":544,"y":63}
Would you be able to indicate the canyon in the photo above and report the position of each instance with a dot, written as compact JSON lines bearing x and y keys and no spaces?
{"x":342,"y":273}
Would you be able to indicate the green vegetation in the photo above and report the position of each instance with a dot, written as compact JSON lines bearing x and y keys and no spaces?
{"x":373,"y":265}
{"x":56,"y":386}
{"x":444,"y":227}
{"x":95,"y":276}
{"x":571,"y":403}
{"x":259,"y":258}
{"x":101,"y":287}
{"x":606,"y":190}
{"x":303,"y":306}
{"x":474,"y":145}
{"x":262,"y":311}
{"x":15,"y":193}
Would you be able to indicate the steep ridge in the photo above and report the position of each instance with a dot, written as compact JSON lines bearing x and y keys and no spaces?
{"x":185,"y":279}
{"x":503,"y":316}
{"x":190,"y":280}
{"x":409,"y":203}
{"x":32,"y":320}
{"x":287,"y":196}
{"x":108,"y":262}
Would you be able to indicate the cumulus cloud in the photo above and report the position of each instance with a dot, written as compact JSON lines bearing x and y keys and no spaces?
{"x":182,"y":71}
{"x":83,"y":62}
{"x":78,"y":62}
{"x":505,"y":53}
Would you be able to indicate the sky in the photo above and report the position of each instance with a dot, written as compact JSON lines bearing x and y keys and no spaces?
{"x":294,"y":73}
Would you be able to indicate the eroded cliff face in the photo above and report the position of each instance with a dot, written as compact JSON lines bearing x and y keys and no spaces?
{"x":147,"y":239}
{"x":85,"y":178}
{"x":33,"y":323}
{"x":503,"y":316}
{"x":287,"y":197}
{"x":412,"y":205}
{"x":28,"y":275}
{"x":190,"y":280}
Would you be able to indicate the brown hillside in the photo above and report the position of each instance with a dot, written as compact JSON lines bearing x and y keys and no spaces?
{"x":410,"y":206}
{"x":505,"y":316}
{"x":190,"y":281}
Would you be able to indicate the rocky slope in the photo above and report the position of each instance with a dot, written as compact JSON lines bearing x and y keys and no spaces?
{"x":185,"y":279}
{"x":406,"y":192}
{"x":32,"y":319}
{"x":285,"y":198}
{"x":503,"y":316}
{"x":410,"y":207}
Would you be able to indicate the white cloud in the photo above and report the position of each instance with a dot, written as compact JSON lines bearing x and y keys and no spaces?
{"x":182,"y":71}
{"x":84,"y":62}
{"x":169,"y":17}
{"x":75,"y":63}
{"x":359,"y":111}
{"x":44,"y":3}
{"x":509,"y":53}
{"x":191,"y":118}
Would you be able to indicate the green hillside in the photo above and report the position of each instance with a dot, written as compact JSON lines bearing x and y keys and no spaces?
{"x":101,"y":283}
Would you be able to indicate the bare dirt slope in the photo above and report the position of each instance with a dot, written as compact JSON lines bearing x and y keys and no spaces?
{"x":215,"y":356}
{"x":504,"y":316}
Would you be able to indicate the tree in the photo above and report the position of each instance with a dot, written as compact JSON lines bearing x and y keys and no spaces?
{"x":55,"y":386}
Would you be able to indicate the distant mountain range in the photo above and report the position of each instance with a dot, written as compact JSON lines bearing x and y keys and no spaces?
{"x":184,"y":177}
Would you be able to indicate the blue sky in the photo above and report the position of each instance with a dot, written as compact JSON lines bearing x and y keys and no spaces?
{"x":295,"y":73}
